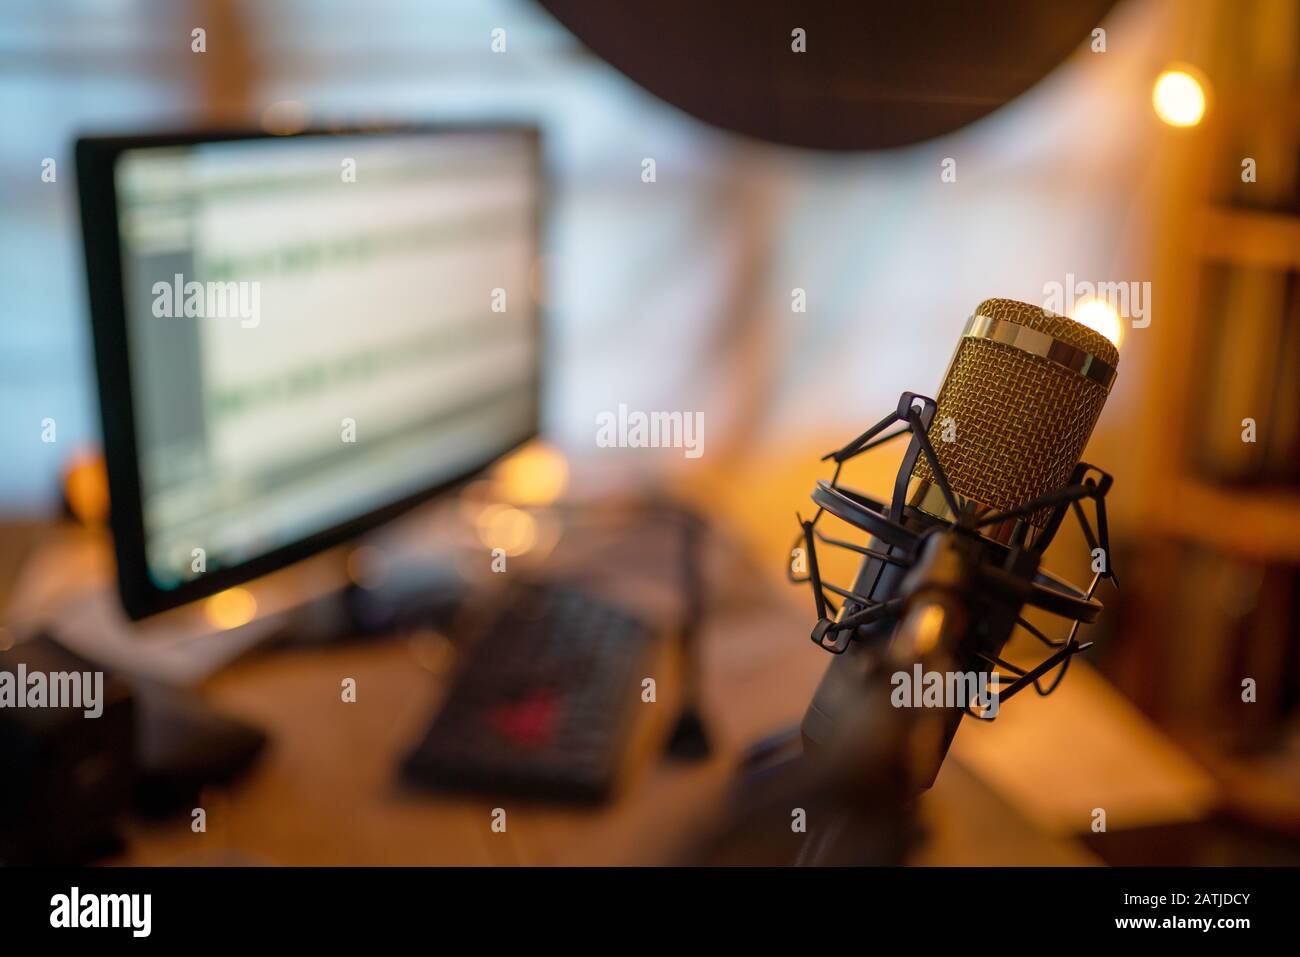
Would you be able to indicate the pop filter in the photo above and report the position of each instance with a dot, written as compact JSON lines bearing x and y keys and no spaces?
{"x":860,"y":76}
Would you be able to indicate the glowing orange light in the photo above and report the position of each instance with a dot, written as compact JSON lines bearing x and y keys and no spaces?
{"x":1179,"y":97}
{"x":535,"y":475}
{"x":85,"y":486}
{"x":230,"y":608}
{"x":1099,"y":316}
{"x":510,"y":529}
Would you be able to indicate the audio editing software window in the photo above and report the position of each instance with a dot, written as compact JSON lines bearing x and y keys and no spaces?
{"x":294,"y":302}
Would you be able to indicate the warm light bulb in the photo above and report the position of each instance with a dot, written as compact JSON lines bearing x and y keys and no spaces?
{"x":85,"y":486}
{"x":512,"y":530}
{"x":534,"y":475}
{"x":1099,"y":316}
{"x":1179,"y":98}
{"x":230,"y":608}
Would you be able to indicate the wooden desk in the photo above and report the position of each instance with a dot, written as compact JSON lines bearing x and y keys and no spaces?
{"x":325,"y":792}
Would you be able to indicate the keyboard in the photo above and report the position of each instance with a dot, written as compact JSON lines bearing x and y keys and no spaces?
{"x":543,"y":704}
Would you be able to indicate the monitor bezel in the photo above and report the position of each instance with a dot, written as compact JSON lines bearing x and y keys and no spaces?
{"x":96,"y":160}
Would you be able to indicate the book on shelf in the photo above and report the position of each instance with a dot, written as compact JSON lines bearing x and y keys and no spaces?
{"x":1239,"y":327}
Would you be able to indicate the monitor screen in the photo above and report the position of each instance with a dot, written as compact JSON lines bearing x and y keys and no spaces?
{"x":319,"y":326}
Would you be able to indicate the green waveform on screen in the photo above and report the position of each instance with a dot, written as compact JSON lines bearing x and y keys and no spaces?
{"x":352,"y":368}
{"x":310,"y":255}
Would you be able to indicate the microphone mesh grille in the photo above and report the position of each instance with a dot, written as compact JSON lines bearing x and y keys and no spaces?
{"x":1021,"y":420}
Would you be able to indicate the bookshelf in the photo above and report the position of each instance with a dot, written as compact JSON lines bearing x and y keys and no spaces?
{"x":1261,"y":525}
{"x":1249,"y":237}
{"x":1216,"y":528}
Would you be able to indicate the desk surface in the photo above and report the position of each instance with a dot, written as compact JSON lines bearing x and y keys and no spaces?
{"x":325,"y":791}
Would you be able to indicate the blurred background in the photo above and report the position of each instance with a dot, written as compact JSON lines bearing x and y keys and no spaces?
{"x":680,"y":297}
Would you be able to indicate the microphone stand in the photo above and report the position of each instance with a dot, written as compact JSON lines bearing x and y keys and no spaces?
{"x":956,"y":607}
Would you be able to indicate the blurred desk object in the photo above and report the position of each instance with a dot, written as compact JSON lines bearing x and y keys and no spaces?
{"x":326,"y":792}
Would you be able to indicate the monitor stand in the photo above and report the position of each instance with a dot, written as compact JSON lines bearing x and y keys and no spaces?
{"x":66,"y":591}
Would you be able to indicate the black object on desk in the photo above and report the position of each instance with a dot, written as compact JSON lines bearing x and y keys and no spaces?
{"x":67,"y":774}
{"x":544,"y":701}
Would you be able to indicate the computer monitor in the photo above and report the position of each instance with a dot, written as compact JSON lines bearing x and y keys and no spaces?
{"x":298,"y":337}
